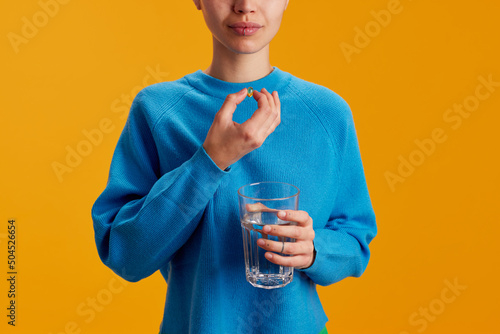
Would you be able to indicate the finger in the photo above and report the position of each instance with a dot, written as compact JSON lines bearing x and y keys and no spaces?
{"x":229,"y":106}
{"x":269,"y":97}
{"x":277,"y":98}
{"x":272,"y":123}
{"x":258,"y":207}
{"x":301,"y":217}
{"x":260,"y":116}
{"x":290,"y":248}
{"x":277,"y":119}
{"x":298,"y":261}
{"x":289,"y":231}
{"x":271,"y":116}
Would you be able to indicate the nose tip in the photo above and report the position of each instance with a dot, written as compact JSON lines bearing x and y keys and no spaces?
{"x":243,"y":7}
{"x":243,"y":11}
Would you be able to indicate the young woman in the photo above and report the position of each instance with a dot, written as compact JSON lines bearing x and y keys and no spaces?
{"x":170,"y":203}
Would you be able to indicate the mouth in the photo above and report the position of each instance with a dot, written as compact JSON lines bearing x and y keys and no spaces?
{"x":245,"y":28}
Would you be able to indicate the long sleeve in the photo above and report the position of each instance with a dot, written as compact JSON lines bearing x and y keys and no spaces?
{"x":142,"y":217}
{"x":342,"y":245}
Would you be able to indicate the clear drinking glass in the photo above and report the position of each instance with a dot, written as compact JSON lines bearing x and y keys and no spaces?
{"x":259,"y":204}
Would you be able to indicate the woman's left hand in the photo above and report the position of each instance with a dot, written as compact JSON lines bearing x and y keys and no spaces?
{"x":302,"y":250}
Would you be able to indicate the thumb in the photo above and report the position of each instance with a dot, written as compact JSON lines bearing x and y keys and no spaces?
{"x":230,"y":103}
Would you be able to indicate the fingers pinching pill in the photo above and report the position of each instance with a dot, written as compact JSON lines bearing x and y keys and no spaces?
{"x":250,"y":91}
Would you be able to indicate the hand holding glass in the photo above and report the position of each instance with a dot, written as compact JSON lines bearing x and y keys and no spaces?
{"x":259,"y":204}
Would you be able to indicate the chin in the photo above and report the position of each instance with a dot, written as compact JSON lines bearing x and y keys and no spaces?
{"x":245,"y":50}
{"x":246,"y":47}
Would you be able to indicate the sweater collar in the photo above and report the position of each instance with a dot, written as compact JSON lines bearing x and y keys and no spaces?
{"x":274,"y":81}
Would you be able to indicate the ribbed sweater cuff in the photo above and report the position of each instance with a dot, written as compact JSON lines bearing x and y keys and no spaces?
{"x":204,"y":169}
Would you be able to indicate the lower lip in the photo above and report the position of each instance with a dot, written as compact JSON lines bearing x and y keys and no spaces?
{"x":245,"y":31}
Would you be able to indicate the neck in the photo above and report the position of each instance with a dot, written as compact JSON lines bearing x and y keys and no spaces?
{"x":230,"y":66}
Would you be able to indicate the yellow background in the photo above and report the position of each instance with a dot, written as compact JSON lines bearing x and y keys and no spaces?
{"x":439,"y":225}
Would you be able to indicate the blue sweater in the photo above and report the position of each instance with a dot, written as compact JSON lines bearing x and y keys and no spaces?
{"x":167,"y":206}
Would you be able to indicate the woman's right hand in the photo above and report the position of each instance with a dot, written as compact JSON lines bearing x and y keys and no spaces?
{"x":228,"y":141}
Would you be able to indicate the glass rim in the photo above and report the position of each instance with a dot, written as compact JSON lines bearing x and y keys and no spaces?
{"x":268,"y":199}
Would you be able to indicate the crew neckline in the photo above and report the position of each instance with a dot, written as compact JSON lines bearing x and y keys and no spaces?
{"x":274,"y":81}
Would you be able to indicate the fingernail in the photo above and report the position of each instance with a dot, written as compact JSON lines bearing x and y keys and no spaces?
{"x":266,"y":228}
{"x":260,"y":242}
{"x":269,"y":255}
{"x":281,"y":214}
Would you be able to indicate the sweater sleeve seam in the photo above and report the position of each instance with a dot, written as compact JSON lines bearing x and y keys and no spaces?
{"x":186,"y":169}
{"x":200,"y":185}
{"x":165,"y":111}
{"x":314,"y":110}
{"x":161,"y":193}
{"x":313,"y":107}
